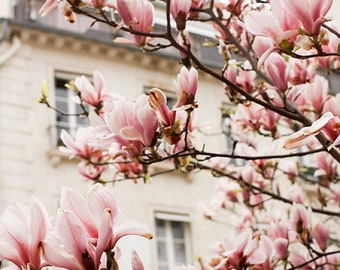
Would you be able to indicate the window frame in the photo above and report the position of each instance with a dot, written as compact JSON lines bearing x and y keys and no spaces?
{"x":72,"y":122}
{"x":169,"y":239}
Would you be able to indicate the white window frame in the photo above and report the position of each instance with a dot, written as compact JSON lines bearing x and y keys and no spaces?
{"x":70,"y":98}
{"x":169,"y":240}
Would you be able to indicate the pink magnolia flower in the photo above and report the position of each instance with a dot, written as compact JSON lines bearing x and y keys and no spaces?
{"x":278,"y":230}
{"x":22,"y":229}
{"x":256,"y":117}
{"x":91,"y":171}
{"x":186,"y":86}
{"x":310,"y":13}
{"x":296,"y":193}
{"x":277,"y":71}
{"x":70,"y":247}
{"x":86,"y":228}
{"x":331,"y":105}
{"x":248,"y":250}
{"x":335,"y":193}
{"x":300,"y":218}
{"x":327,"y":166}
{"x":91,"y":94}
{"x":64,"y":7}
{"x":328,"y":124}
{"x":281,"y":247}
{"x":180,"y":10}
{"x":271,"y":24}
{"x":134,"y":121}
{"x":320,"y":235}
{"x":78,"y":146}
{"x":139,"y":16}
{"x":301,"y":71}
{"x":316,"y":93}
{"x":158,"y":102}
{"x":330,"y":45}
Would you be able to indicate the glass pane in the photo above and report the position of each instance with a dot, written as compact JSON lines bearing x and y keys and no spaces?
{"x":177,"y":229}
{"x":180,"y":256}
{"x":62,"y":106}
{"x":81,"y":121}
{"x":61,"y":92}
{"x":162,"y":252}
{"x":160,"y":227}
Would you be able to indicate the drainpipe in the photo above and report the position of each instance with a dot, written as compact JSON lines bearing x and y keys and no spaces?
{"x":15,"y":43}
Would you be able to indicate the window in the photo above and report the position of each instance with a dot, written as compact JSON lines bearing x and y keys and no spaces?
{"x":173,"y":240}
{"x":66,"y":102}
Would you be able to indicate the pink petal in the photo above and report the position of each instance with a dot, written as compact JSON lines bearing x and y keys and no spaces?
{"x":47,"y":7}
{"x":99,"y":199}
{"x":73,"y":201}
{"x":105,"y":236}
{"x":55,"y":255}
{"x":38,"y":226}
{"x":131,"y":231}
{"x":136,"y":261}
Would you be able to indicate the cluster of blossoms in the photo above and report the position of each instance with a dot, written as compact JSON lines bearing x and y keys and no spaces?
{"x":83,"y":235}
{"x":127,"y":136}
{"x":284,"y":240}
{"x":280,"y":100}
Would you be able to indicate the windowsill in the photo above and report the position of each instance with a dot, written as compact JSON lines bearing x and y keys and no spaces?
{"x":56,"y":157}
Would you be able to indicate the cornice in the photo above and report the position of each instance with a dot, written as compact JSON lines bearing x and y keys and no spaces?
{"x":38,"y":35}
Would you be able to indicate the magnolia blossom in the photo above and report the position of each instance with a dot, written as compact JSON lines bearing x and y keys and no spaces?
{"x":133,"y":121}
{"x":277,"y":71}
{"x":271,"y":24}
{"x":22,"y":229}
{"x":320,"y":235}
{"x":85,"y":229}
{"x":91,"y":94}
{"x":331,"y":105}
{"x":158,"y":102}
{"x":180,"y":10}
{"x":139,"y":15}
{"x":78,"y":146}
{"x":310,"y":13}
{"x":64,"y":7}
{"x":328,"y":124}
{"x":186,"y":86}
{"x":300,"y":218}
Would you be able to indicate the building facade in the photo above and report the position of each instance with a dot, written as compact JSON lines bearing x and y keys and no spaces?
{"x":33,"y":49}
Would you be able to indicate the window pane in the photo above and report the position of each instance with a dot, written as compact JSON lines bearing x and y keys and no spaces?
{"x":61,"y":92}
{"x":62,"y":106}
{"x":162,"y":251}
{"x":180,"y":256}
{"x":160,"y":227}
{"x":177,"y":229}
